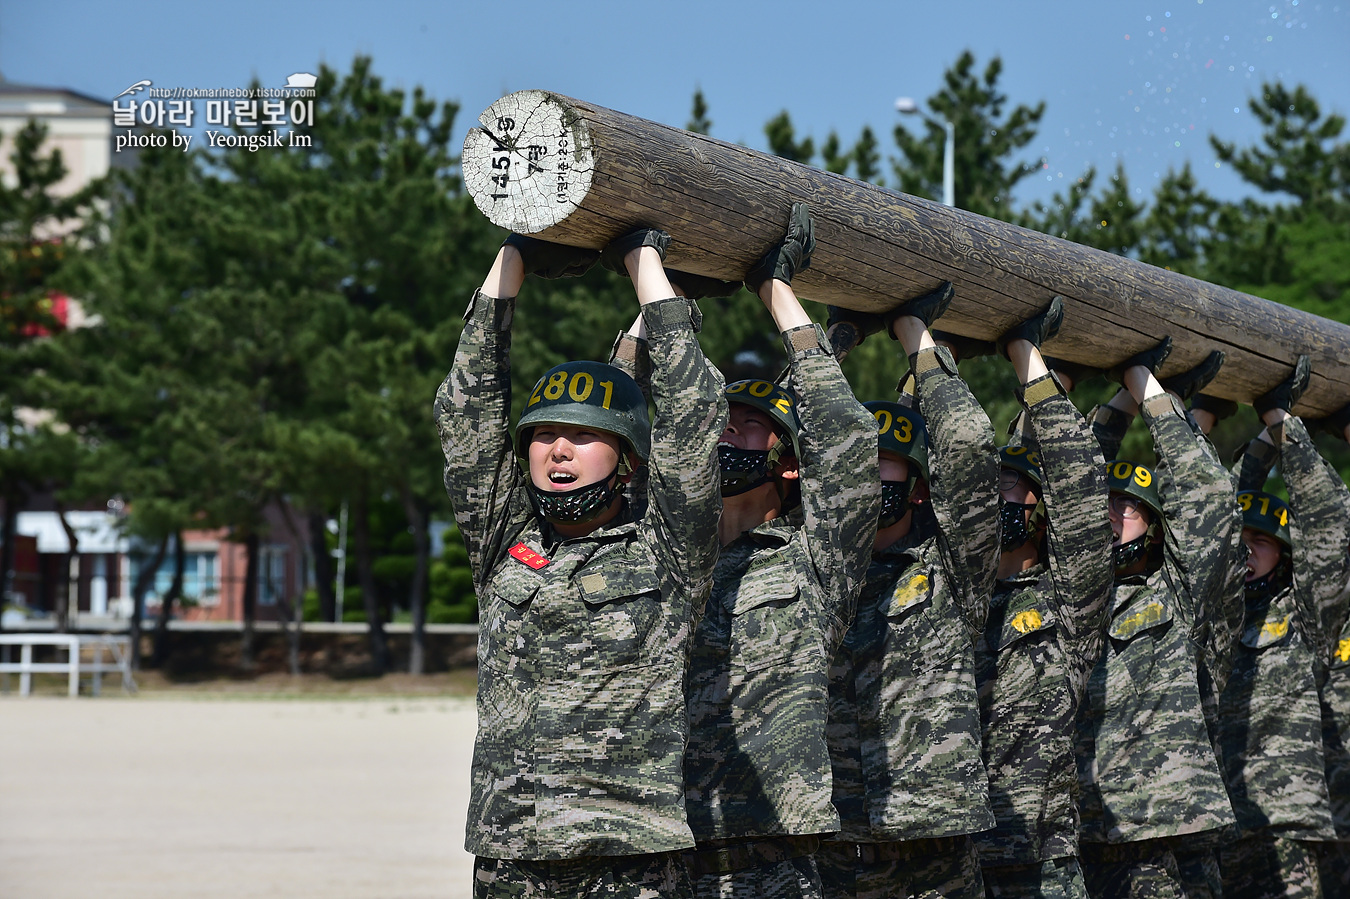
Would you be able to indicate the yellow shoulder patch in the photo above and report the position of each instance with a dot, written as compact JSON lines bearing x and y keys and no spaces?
{"x":1274,"y":630}
{"x":1343,"y":651}
{"x":908,"y":593}
{"x":1028,"y":621}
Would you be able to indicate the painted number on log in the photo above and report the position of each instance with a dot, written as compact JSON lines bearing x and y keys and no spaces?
{"x":529,"y":165}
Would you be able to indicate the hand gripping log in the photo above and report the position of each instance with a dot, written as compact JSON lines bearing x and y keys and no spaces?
{"x":574,"y":173}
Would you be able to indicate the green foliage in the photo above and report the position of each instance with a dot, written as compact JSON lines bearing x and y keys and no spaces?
{"x":699,"y":123}
{"x":783,"y":140}
{"x":986,"y":140}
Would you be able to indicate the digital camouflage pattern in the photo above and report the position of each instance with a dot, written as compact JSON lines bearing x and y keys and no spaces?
{"x":1041,"y":640}
{"x":1270,"y":711}
{"x":1336,"y":727}
{"x":940,"y":868}
{"x":659,"y":876}
{"x":794,"y":878}
{"x":1055,"y":878}
{"x":783,"y":596}
{"x":904,"y":728}
{"x":1264,"y":865}
{"x":582,"y":720}
{"x":1147,"y":768}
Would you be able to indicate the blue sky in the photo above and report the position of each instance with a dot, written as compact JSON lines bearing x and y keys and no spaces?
{"x":1138,"y":81}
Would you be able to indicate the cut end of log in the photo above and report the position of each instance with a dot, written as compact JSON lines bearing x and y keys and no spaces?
{"x":529,"y":164}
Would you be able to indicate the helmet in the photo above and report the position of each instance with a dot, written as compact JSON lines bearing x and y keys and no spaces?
{"x":902,"y":431}
{"x":1024,"y":461}
{"x":1133,"y":479}
{"x":778,"y":402}
{"x":588,"y":394}
{"x":1266,"y":513}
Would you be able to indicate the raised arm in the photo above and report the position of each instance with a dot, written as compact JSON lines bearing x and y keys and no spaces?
{"x":963,"y":460}
{"x":473,"y":403}
{"x":839,"y":477}
{"x":684,"y":501}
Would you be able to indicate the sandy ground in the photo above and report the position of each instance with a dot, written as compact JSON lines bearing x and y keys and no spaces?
{"x":223,"y":797}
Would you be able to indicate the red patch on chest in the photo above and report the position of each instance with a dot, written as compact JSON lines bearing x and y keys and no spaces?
{"x":522,"y":553}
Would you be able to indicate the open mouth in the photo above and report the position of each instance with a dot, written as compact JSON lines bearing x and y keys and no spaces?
{"x":561,"y":478}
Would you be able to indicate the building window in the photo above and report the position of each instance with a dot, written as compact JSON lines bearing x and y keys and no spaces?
{"x":271,"y":573}
{"x":201,"y":578}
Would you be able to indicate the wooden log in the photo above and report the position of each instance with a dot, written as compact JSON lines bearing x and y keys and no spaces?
{"x":580,"y":174}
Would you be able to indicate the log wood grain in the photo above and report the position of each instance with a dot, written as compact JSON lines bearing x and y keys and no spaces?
{"x":575,"y":173}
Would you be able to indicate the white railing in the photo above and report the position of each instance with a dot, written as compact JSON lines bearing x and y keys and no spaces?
{"x":74,"y":665}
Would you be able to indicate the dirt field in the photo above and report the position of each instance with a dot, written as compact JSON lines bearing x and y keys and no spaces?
{"x":212,"y":795}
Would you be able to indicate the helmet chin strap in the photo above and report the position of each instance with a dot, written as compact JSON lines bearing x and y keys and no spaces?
{"x":743,"y":470}
{"x":579,"y":505}
{"x":1272,"y":582}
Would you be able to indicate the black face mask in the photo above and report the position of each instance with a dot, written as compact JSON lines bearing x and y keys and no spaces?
{"x":576,"y":506}
{"x":894,"y":501}
{"x":1012,"y":522}
{"x":1126,"y":554}
{"x":742,"y":470}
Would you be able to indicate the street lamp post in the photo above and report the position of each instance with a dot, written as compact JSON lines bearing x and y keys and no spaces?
{"x":908,"y":106}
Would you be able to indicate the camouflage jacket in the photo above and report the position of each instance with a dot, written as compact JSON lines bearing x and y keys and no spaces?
{"x":1336,"y":730}
{"x":1041,"y":640}
{"x":1147,"y":767}
{"x":783,"y":597}
{"x":583,"y":643}
{"x":904,"y":727}
{"x":1271,"y":725}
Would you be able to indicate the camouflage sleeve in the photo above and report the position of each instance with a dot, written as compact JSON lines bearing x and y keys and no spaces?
{"x":963,"y":463}
{"x":1109,"y":425}
{"x":683,"y":481}
{"x":472,"y":410}
{"x":840,"y":482}
{"x":1320,"y":530}
{"x":1079,"y":536}
{"x":631,"y":356}
{"x":1254,"y":465}
{"x":1202,"y":534}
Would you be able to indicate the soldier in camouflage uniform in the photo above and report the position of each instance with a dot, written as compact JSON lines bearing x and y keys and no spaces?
{"x":904,"y":728}
{"x":1150,"y":780}
{"x":1269,"y":713}
{"x":587,"y":612}
{"x":801,"y":494}
{"x":1334,"y":863}
{"x":1044,"y":631}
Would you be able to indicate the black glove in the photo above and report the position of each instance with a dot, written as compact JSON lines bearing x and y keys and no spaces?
{"x":1219,"y":408}
{"x":613,"y":255}
{"x":927,"y":308}
{"x":1076,"y":371}
{"x":964,"y":347}
{"x":791,"y":256}
{"x":696,"y":287}
{"x":1037,"y":329}
{"x":1334,"y":424}
{"x":1286,"y":394}
{"x":848,"y":327}
{"x":1151,"y":358}
{"x":1189,"y":383}
{"x":551,"y":260}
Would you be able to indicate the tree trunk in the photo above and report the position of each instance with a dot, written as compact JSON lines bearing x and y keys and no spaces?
{"x":580,"y":174}
{"x":11,"y":524}
{"x":144,"y":579}
{"x":379,"y":646}
{"x":323,"y":566}
{"x":160,"y":655}
{"x":251,"y":548}
{"x":63,"y":599}
{"x":418,"y":518}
